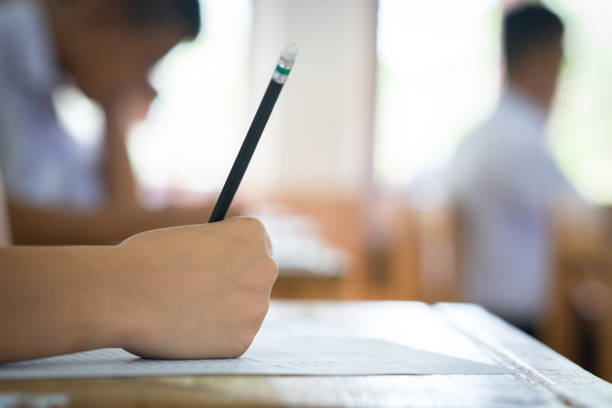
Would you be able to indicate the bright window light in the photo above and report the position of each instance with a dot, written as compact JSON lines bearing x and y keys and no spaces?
{"x":438,"y":75}
{"x":194,"y":128}
{"x":581,"y":125}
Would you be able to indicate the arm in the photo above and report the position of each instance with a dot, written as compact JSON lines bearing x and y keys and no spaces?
{"x":55,"y":301}
{"x":117,"y":172}
{"x":121,"y":216}
{"x":38,"y":226}
{"x":157,"y":294}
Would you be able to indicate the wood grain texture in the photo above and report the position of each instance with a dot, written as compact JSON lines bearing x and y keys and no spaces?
{"x":531,"y":359}
{"x":543,"y":378}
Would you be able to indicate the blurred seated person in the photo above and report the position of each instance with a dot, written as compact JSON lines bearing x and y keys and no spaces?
{"x":57,"y":195}
{"x":505,"y":181}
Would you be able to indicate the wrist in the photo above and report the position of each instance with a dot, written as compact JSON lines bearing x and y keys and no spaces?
{"x":107,"y":319}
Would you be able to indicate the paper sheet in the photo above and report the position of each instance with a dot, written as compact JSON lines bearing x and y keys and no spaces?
{"x":270,"y":354}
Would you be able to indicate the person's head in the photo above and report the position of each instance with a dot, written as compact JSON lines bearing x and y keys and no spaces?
{"x":109,"y":46}
{"x":533,"y":38}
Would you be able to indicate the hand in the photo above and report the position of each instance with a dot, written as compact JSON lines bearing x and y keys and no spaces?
{"x":198,"y":291}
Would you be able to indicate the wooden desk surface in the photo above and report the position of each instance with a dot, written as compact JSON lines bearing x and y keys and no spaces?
{"x":542,"y":377}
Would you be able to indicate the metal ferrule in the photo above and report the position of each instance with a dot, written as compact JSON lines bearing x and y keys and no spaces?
{"x":282,"y":70}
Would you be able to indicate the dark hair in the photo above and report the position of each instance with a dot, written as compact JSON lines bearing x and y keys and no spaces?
{"x":529,"y":27}
{"x":148,"y":12}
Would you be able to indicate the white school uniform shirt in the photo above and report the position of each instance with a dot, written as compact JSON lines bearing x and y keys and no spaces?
{"x":505,"y":181}
{"x":41,"y":163}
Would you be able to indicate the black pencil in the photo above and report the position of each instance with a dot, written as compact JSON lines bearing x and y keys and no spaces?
{"x":247,"y":149}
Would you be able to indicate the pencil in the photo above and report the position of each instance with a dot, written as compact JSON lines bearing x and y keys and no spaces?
{"x":281,"y":72}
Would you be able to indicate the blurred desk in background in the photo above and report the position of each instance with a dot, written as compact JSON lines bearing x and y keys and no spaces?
{"x":580,"y":325}
{"x":540,"y":376}
{"x":309,"y":267}
{"x":341,"y":221}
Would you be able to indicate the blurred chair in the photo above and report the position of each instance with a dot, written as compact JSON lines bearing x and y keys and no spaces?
{"x":422,"y":254}
{"x":337,"y":258}
{"x":580,"y":323}
{"x":402,"y":277}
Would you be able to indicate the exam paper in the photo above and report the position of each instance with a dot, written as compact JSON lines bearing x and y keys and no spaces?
{"x":270,"y":354}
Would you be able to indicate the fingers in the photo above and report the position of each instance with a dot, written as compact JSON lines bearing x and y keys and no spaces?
{"x":196,"y":274}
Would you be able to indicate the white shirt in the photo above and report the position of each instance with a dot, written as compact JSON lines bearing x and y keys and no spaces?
{"x":504,"y":181}
{"x":42,"y":165}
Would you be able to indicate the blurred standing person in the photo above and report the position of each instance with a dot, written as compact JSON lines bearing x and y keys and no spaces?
{"x":505,"y":181}
{"x":56,"y":194}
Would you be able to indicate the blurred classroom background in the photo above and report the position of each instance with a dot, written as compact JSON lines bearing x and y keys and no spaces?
{"x":348,"y":175}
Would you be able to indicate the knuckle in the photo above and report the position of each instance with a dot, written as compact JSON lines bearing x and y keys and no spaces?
{"x":253,"y":224}
{"x":257,"y":233}
{"x":252,"y":232}
{"x":271,"y":268}
{"x":266,"y":272}
{"x":258,"y":311}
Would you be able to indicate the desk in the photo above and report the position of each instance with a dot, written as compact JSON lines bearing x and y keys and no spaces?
{"x":542,"y":377}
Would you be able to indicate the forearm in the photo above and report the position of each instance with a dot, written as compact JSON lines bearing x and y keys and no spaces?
{"x":35,"y":226}
{"x":157,"y":294}
{"x":117,"y":170}
{"x":39,"y":226}
{"x":59,"y":300}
